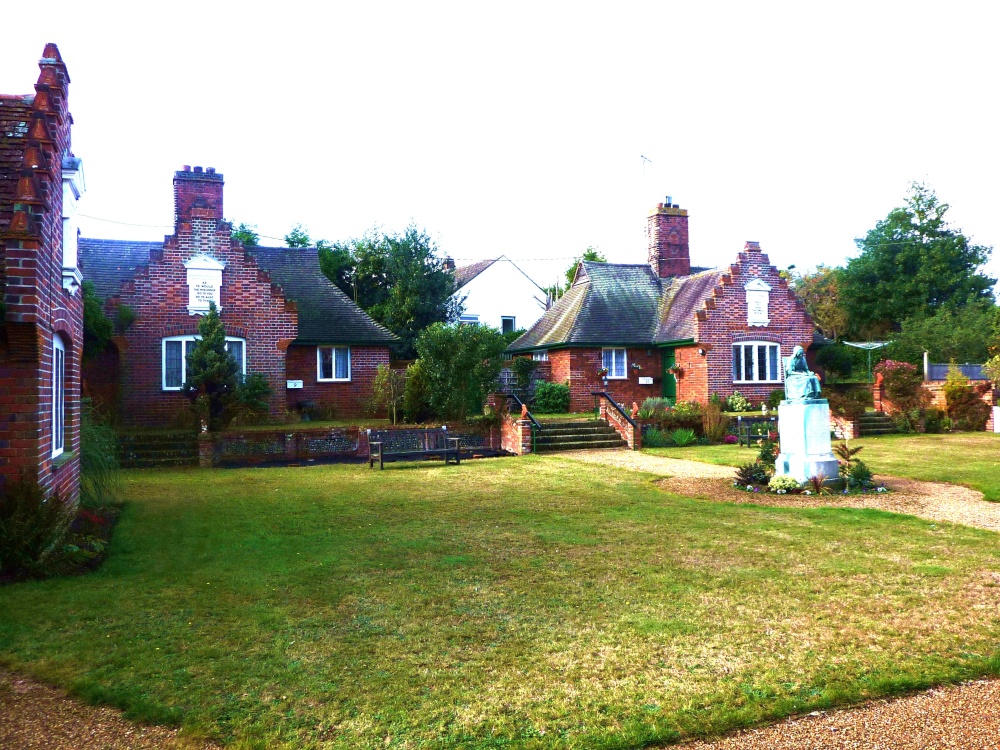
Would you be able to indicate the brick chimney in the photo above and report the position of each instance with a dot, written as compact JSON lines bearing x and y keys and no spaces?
{"x":667,"y":237}
{"x":197,"y":194}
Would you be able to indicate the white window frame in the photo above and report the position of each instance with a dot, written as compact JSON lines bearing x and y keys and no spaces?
{"x":319,"y":364}
{"x":58,"y":396}
{"x":773,"y":377}
{"x":614,"y":356}
{"x":513,"y":323}
{"x":469,"y":318}
{"x":542,"y":355}
{"x":183,"y":340}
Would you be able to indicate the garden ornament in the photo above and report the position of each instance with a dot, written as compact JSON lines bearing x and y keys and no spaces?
{"x":800,"y":383}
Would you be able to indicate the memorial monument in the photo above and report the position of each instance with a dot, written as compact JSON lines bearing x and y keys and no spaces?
{"x":804,"y":425}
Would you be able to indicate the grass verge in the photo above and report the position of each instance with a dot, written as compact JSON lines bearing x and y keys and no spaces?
{"x":533,"y":602}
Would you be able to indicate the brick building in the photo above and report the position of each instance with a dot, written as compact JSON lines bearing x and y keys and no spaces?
{"x":665,"y":328}
{"x":283,"y":318}
{"x":41,"y":311}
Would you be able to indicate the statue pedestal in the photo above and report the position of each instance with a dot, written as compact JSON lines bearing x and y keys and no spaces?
{"x":804,"y":432}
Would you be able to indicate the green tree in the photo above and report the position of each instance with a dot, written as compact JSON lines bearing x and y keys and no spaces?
{"x":953,"y":333}
{"x":590,"y":254}
{"x":213,"y":375}
{"x":820,"y":293}
{"x":398,"y":279}
{"x":247,"y":234}
{"x":460,"y":364}
{"x":97,"y":327}
{"x":298,"y":237}
{"x":912,"y":264}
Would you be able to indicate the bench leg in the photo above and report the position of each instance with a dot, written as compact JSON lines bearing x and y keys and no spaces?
{"x":381,"y":463}
{"x":458,"y":457}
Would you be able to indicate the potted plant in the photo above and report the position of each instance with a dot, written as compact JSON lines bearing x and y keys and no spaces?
{"x":676,"y":370}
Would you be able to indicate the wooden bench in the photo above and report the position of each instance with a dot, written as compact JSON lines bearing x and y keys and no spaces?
{"x":412,"y":445}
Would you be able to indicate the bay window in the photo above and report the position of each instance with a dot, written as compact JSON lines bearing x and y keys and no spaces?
{"x":177,"y":350}
{"x":333,"y":363}
{"x":756,"y":362}
{"x":613,"y":360}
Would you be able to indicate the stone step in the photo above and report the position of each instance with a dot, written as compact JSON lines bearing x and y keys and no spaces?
{"x":573,"y":425}
{"x":156,"y":463}
{"x":563,"y":439}
{"x":578,"y":431}
{"x":588,"y":445}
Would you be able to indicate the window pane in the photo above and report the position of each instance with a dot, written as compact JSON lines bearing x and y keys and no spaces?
{"x":606,"y":359}
{"x":507,"y":325}
{"x":761,"y":363}
{"x":619,"y":363}
{"x":58,"y":398}
{"x":235,"y":349}
{"x":748,"y":363}
{"x":188,"y":348}
{"x":772,"y":352}
{"x":325,"y":363}
{"x":737,"y":370}
{"x":343,"y":363}
{"x":172,"y":365}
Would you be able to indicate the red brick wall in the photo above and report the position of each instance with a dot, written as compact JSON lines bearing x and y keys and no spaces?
{"x":692,"y":385}
{"x":579,"y":367}
{"x":38,"y":308}
{"x":345,"y":399}
{"x":724,"y":322}
{"x":667,"y":239}
{"x":252,"y":307}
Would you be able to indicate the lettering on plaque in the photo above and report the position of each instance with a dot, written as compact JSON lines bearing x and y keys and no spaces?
{"x":204,"y":278}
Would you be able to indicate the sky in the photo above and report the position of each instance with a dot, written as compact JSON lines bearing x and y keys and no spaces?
{"x":532,"y":129}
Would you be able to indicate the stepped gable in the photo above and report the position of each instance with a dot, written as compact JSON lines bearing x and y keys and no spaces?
{"x":326,"y":314}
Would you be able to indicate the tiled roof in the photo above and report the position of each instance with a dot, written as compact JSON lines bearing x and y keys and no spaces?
{"x":109,"y":263}
{"x":326,"y":314}
{"x":612,"y":303}
{"x":465,"y":274}
{"x":15,"y":114}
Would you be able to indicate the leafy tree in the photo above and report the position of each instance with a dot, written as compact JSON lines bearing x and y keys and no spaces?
{"x":388,"y":391}
{"x":213,"y":375}
{"x":590,"y":254}
{"x":953,"y":333}
{"x":97,"y":327}
{"x":247,"y":234}
{"x":398,"y":279}
{"x":298,"y":237}
{"x":820,"y":293}
{"x":459,"y":364}
{"x":912,"y":264}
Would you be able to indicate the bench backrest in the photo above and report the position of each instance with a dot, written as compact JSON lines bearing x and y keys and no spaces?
{"x":423,"y":439}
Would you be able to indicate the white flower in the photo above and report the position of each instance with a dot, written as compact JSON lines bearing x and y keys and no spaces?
{"x":750,"y":487}
{"x":782,"y":492}
{"x":807,"y":492}
{"x":881,"y":489}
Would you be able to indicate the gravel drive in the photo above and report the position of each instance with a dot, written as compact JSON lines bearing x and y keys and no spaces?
{"x":960,"y":717}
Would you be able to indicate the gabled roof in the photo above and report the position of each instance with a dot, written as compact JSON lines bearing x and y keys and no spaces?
{"x":625,"y":304}
{"x":326,"y":314}
{"x":464,"y":274}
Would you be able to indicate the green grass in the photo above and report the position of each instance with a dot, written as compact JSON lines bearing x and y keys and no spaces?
{"x":509,"y":603}
{"x":971,"y":459}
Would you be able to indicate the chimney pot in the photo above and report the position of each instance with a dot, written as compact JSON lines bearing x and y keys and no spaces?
{"x":187,"y":167}
{"x":198,"y":170}
{"x":210,"y":170}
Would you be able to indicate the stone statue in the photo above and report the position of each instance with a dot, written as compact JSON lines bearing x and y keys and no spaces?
{"x":800,"y":383}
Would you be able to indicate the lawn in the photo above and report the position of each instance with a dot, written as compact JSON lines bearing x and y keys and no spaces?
{"x":968,"y":458}
{"x":532,"y":602}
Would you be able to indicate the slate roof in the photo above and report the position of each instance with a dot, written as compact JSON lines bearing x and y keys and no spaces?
{"x":614,"y":303}
{"x":464,"y":274}
{"x":326,"y":314}
{"x":15,"y":114}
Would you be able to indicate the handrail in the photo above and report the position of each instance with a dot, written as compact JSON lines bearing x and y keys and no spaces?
{"x":616,"y":405}
{"x":534,"y":421}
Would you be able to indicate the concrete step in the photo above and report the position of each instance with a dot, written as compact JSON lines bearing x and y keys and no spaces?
{"x":587,"y":438}
{"x":581,"y":445}
{"x":579,"y":431}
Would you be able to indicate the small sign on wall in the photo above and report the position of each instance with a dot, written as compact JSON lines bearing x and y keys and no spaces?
{"x":292,"y":384}
{"x":645,"y":381}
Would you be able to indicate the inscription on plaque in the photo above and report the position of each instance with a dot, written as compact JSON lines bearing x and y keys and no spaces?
{"x":204,"y":278}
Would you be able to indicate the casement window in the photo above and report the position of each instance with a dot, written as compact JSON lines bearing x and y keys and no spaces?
{"x":756,"y":362}
{"x":540,"y":356}
{"x":613,"y":360}
{"x":507,"y":324}
{"x":177,"y":349}
{"x":333,"y":363}
{"x":469,"y":318}
{"x":58,"y":396}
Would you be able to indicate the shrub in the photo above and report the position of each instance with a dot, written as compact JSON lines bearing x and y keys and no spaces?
{"x":903,"y":384}
{"x":523,"y":368}
{"x":416,"y":397}
{"x":551,"y":398}
{"x":654,"y":438}
{"x":965,"y":408}
{"x":768,"y":453}
{"x":850,"y":405}
{"x":100,"y":475}
{"x":846,"y":454}
{"x":682,"y":437}
{"x":31,"y":525}
{"x":688,"y":410}
{"x":752,"y":473}
{"x":738,"y":402}
{"x":934,"y":420}
{"x":774,"y":398}
{"x":859,"y":476}
{"x":730,"y":440}
{"x":784,"y":483}
{"x":714,"y":424}
{"x":836,"y":359}
{"x":388,"y":391}
{"x":461,"y":364}
{"x":249,"y":401}
{"x":213,"y":375}
{"x":655,"y":407}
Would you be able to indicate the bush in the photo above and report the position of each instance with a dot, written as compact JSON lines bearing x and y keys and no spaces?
{"x":903,"y":384}
{"x":714,"y":424}
{"x":836,"y":359}
{"x":388,"y":391}
{"x":966,"y":410}
{"x":859,"y":476}
{"x":850,"y":405}
{"x":774,"y":398}
{"x":654,"y":438}
{"x":655,"y":407}
{"x":738,"y":402}
{"x":551,"y":398}
{"x":752,"y":473}
{"x":784,"y":483}
{"x":682,"y":437}
{"x":934,"y":420}
{"x":416,"y":396}
{"x":768,"y":453}
{"x":523,"y":368}
{"x":100,"y":475}
{"x":460,"y":366}
{"x":249,"y":401}
{"x":31,"y":525}
{"x":730,"y":440}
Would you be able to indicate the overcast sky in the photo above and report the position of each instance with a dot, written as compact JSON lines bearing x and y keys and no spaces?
{"x":519,"y":128}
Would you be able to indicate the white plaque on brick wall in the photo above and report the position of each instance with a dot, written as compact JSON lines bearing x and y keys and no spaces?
{"x":204,"y":278}
{"x":643,"y":380}
{"x":293,"y":384}
{"x":758,"y":297}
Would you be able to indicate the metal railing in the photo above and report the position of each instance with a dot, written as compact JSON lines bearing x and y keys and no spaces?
{"x":615,"y":404}
{"x":535,"y":424}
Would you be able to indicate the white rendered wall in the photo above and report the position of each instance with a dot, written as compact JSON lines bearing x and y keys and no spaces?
{"x":501,"y":291}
